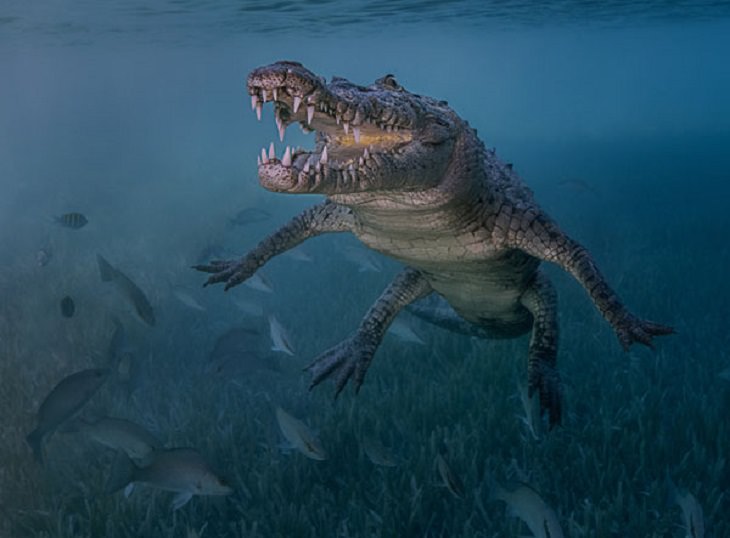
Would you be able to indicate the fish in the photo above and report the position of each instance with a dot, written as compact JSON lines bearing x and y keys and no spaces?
{"x":692,"y":515}
{"x":531,"y":409}
{"x":184,"y":296}
{"x":247,"y":307}
{"x":401,"y":329}
{"x":238,"y":351}
{"x":526,"y":503}
{"x":119,"y":434}
{"x":43,"y":256}
{"x":128,"y":288}
{"x":211,"y":252}
{"x":299,"y":436}
{"x":72,"y":220}
{"x":299,"y":255}
{"x":377,"y":453}
{"x":121,"y":358}
{"x":118,"y":345}
{"x":578,"y":185}
{"x":449,"y":478}
{"x":364,"y":259}
{"x":249,"y":215}
{"x":183,"y":471}
{"x":62,"y":403}
{"x":279,"y":337}
{"x":67,"y":307}
{"x":259,"y":282}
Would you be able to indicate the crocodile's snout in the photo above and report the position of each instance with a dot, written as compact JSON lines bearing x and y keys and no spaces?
{"x":366,"y":136}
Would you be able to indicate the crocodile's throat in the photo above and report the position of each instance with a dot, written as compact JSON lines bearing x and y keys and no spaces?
{"x":364,"y":136}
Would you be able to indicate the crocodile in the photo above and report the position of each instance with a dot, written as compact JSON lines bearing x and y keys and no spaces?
{"x":412,"y":180}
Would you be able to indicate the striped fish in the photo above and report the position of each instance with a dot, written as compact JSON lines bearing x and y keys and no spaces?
{"x":72,"y":220}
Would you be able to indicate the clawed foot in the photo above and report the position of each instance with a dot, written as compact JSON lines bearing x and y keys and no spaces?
{"x":545,"y":380}
{"x":232,"y":272}
{"x":348,"y":359}
{"x":631,"y":329}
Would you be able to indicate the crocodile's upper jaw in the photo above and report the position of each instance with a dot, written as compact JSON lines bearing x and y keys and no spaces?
{"x":368,"y":139}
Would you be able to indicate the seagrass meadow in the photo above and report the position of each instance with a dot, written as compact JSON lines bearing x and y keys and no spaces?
{"x":137,"y":118}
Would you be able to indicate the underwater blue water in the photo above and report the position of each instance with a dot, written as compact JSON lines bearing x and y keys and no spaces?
{"x":136,"y":114}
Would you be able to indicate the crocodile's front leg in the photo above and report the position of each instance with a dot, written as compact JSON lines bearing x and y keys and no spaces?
{"x":353,"y":356}
{"x":322,"y":218}
{"x":533,"y":232}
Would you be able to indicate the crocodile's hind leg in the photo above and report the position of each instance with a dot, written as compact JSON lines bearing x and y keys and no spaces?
{"x":542,"y":374}
{"x":351,"y":358}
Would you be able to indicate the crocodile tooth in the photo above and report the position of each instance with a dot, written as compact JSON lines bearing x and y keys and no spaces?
{"x":357,"y":120}
{"x":356,"y":132}
{"x":254,"y":100}
{"x":310,"y":113}
{"x":276,"y":94}
{"x":263,"y":95}
{"x":323,"y":158}
{"x":297,"y":102}
{"x":305,"y":169}
{"x":338,"y":119}
{"x":361,"y":162}
{"x":282,"y":129}
{"x":258,"y":110}
{"x":264,"y":158}
{"x":318,"y":167}
{"x":286,"y":159}
{"x":350,"y":167}
{"x":366,"y":153}
{"x":272,"y":153}
{"x":346,"y":125}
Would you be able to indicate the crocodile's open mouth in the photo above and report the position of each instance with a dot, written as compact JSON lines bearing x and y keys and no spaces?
{"x":354,"y":135}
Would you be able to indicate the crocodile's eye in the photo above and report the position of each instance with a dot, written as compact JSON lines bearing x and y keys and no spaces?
{"x":389,"y":82}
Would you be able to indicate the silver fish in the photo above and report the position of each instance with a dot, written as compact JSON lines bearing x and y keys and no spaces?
{"x":180,"y":470}
{"x":250,"y":215}
{"x":279,"y":337}
{"x":449,"y":478}
{"x":531,"y":410}
{"x":364,"y":259}
{"x":238,"y":350}
{"x":247,"y":307}
{"x":692,"y":515}
{"x":299,"y":436}
{"x":401,"y":329}
{"x":299,"y":255}
{"x":43,"y":256}
{"x":119,"y":434}
{"x":377,"y":453}
{"x":62,"y":403}
{"x":259,"y":282}
{"x":185,"y":297}
{"x":526,"y":503}
{"x":128,"y":288}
